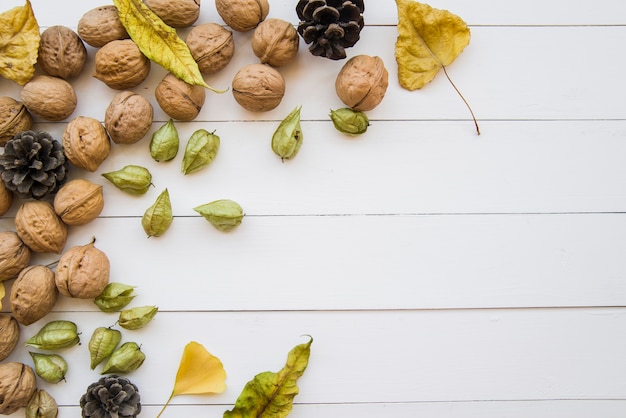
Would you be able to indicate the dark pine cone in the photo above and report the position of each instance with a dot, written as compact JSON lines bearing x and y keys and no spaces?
{"x":33,"y":164}
{"x":111,"y":397}
{"x":330,"y":26}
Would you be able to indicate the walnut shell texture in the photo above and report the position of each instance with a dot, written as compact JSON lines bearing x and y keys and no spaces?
{"x":275,"y":42}
{"x":14,"y":118}
{"x":33,"y":294}
{"x":40,"y":228}
{"x":177,"y":14}
{"x":9,"y":336}
{"x":100,"y":26}
{"x":86,"y":143}
{"x":121,"y":65}
{"x":14,"y":255}
{"x":179,"y":99}
{"x":17,"y":385}
{"x":128,"y":117}
{"x":242,"y":15}
{"x":211,"y":45}
{"x":258,"y":87}
{"x":6,"y":198}
{"x":79,"y":202}
{"x":61,"y":52}
{"x":51,"y":98}
{"x":362,"y":82}
{"x":83,"y":272}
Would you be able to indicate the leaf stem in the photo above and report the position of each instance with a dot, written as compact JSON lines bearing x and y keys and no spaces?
{"x":463,"y":98}
{"x":166,"y":404}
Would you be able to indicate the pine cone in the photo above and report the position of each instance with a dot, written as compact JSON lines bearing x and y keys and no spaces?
{"x":330,"y":26}
{"x":33,"y":164}
{"x":111,"y":397}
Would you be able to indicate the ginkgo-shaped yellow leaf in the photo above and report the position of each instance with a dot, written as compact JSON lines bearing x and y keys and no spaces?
{"x":19,"y":43}
{"x":428,"y":40}
{"x":199,"y":373}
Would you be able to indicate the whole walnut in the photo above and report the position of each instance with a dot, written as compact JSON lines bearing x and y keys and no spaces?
{"x":61,"y":52}
{"x":258,"y":87}
{"x":33,"y":294}
{"x":179,"y":99}
{"x":6,"y":198}
{"x":40,"y":228}
{"x":86,"y":143}
{"x":14,"y":118}
{"x":121,"y":65}
{"x":83,"y":272}
{"x":242,"y":15}
{"x":51,"y":98}
{"x":14,"y":255}
{"x":275,"y":42}
{"x":177,"y":14}
{"x":79,"y":202}
{"x":128,"y":117}
{"x":17,"y":385}
{"x":101,"y":25}
{"x":211,"y":45}
{"x":9,"y":335}
{"x":362,"y":82}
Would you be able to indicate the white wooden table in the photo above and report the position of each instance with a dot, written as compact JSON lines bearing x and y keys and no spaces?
{"x":440,"y":273}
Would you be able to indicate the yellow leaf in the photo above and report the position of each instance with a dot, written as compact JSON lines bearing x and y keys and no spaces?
{"x":1,"y":293}
{"x":19,"y":43}
{"x":159,"y":42}
{"x":428,"y":40}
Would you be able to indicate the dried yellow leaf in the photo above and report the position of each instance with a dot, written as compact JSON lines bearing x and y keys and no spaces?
{"x":428,"y":40}
{"x":19,"y":43}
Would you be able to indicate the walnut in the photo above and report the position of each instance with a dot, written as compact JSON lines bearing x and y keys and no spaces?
{"x":177,"y":14}
{"x":9,"y":335}
{"x":258,"y":87}
{"x":17,"y":385}
{"x":33,"y":294}
{"x":79,"y":202}
{"x":212,"y":46}
{"x":52,"y":98}
{"x":83,"y":272}
{"x":179,"y":99}
{"x":61,"y":52}
{"x":14,"y":118}
{"x":275,"y":42}
{"x":86,"y":143}
{"x":100,"y":26}
{"x":242,"y":15}
{"x":121,"y":65}
{"x":14,"y":255}
{"x":128,"y":118}
{"x":40,"y":228}
{"x":362,"y":82}
{"x":6,"y":198}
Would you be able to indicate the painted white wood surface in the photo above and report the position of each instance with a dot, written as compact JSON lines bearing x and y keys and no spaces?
{"x":441,"y":273}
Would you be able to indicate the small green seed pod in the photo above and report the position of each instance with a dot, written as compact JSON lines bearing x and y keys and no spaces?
{"x":55,"y":335}
{"x":349,"y":121}
{"x":50,"y":367}
{"x":114,"y":297}
{"x":287,"y":138}
{"x":165,"y":142}
{"x":137,"y":317}
{"x":200,"y":151}
{"x":157,"y":218}
{"x":132,"y":179}
{"x":41,"y":405}
{"x":225,"y":215}
{"x":102,"y":344}
{"x":125,"y":359}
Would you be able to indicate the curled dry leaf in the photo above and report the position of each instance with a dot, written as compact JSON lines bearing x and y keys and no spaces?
{"x":19,"y":43}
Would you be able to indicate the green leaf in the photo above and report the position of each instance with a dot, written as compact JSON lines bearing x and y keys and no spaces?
{"x":270,"y":395}
{"x":159,"y":42}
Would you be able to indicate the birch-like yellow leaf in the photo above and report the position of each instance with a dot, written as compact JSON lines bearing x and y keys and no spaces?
{"x":428,"y":40}
{"x":159,"y":42}
{"x":19,"y":43}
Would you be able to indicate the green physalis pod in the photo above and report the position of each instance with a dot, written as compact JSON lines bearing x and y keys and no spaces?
{"x":137,"y":317}
{"x":50,"y":367}
{"x":114,"y":297}
{"x":41,"y":405}
{"x":200,"y":151}
{"x":55,"y":335}
{"x":164,"y":143}
{"x":132,"y":179}
{"x":288,"y":137}
{"x":349,"y":121}
{"x":125,"y":359}
{"x":102,"y":344}
{"x":158,"y":217}
{"x":224,"y":214}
